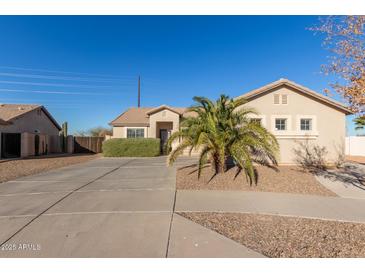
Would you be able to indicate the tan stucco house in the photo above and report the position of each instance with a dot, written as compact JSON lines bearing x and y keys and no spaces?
{"x":293,"y":113}
{"x":27,"y":130}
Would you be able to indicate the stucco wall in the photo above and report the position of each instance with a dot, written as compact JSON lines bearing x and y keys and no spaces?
{"x":118,"y":132}
{"x":329,"y":125}
{"x":163,"y":116}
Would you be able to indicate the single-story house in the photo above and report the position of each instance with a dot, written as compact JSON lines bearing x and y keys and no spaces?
{"x":27,"y":130}
{"x":292,"y":112}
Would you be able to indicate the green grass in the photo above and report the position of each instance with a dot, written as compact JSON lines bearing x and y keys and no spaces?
{"x":132,"y":147}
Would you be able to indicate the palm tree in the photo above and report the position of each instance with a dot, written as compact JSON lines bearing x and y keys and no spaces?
{"x":359,"y":122}
{"x":223,"y":131}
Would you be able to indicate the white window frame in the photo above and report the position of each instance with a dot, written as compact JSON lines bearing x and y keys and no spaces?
{"x":307,"y":126}
{"x":313,"y":130}
{"x":288,"y":124}
{"x":283,"y":125}
{"x":144,"y":131}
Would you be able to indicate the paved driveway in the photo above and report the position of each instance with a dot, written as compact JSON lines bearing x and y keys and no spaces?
{"x":102,"y":208}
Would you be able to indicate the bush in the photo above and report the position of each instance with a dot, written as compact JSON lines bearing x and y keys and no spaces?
{"x":136,"y":147}
{"x":311,"y":156}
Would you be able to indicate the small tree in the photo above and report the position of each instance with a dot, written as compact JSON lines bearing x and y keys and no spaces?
{"x":345,"y":38}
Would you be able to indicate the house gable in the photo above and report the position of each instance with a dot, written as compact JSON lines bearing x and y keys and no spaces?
{"x":294,"y":87}
{"x":286,"y":104}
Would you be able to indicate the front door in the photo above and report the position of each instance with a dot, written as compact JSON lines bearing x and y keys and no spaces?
{"x":164,"y":136}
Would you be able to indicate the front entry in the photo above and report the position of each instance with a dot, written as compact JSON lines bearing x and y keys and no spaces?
{"x":10,"y":145}
{"x":164,"y":136}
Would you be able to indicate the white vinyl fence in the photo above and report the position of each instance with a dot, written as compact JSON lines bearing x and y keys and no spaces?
{"x":355,"y":145}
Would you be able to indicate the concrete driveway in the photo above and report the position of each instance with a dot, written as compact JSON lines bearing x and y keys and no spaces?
{"x":108,"y":207}
{"x":102,"y":208}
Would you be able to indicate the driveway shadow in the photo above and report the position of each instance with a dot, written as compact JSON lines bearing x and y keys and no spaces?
{"x":352,"y":174}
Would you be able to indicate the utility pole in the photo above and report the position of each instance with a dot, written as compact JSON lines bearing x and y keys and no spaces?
{"x":139,"y":91}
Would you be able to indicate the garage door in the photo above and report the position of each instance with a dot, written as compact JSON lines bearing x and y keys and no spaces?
{"x":10,"y":145}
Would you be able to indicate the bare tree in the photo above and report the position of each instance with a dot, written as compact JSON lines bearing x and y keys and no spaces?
{"x":345,"y":38}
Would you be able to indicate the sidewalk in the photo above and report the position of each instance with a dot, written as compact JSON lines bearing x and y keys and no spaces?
{"x":327,"y":208}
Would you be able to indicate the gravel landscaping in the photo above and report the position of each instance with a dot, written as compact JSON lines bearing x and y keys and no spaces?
{"x":277,"y":236}
{"x":12,"y":169}
{"x":289,"y":179}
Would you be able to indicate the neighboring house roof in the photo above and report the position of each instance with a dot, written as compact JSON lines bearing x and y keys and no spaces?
{"x":9,"y":112}
{"x":140,"y":116}
{"x":304,"y":90}
{"x":132,"y":116}
{"x":4,"y":123}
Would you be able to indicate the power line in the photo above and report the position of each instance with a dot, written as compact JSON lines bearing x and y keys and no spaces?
{"x":52,"y":84}
{"x":52,"y":77}
{"x":52,"y":92}
{"x":65,"y":72}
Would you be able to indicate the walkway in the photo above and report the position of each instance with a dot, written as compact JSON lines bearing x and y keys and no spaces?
{"x":328,"y":208}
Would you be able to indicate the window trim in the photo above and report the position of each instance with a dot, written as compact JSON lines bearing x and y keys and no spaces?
{"x":313,"y":130}
{"x":303,"y":124}
{"x":135,"y":128}
{"x":288,"y":123}
{"x":285,"y":124}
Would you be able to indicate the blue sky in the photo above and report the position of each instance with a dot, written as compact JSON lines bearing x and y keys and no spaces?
{"x":84,"y":69}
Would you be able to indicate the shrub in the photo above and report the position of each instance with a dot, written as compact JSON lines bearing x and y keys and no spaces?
{"x":340,"y":157}
{"x":136,"y":147}
{"x":311,"y":156}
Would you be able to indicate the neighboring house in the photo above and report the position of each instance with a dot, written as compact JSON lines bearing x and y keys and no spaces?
{"x":27,"y":130}
{"x":293,"y":113}
{"x":148,"y":122}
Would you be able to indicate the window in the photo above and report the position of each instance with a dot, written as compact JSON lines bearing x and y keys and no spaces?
{"x":276,"y":99}
{"x":280,"y":124}
{"x":284,"y":99}
{"x":256,"y":120}
{"x":305,"y":124}
{"x":39,"y":111}
{"x":135,"y":132}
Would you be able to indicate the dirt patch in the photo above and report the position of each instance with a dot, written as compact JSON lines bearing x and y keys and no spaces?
{"x":12,"y":169}
{"x":277,"y":236}
{"x":289,"y":179}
